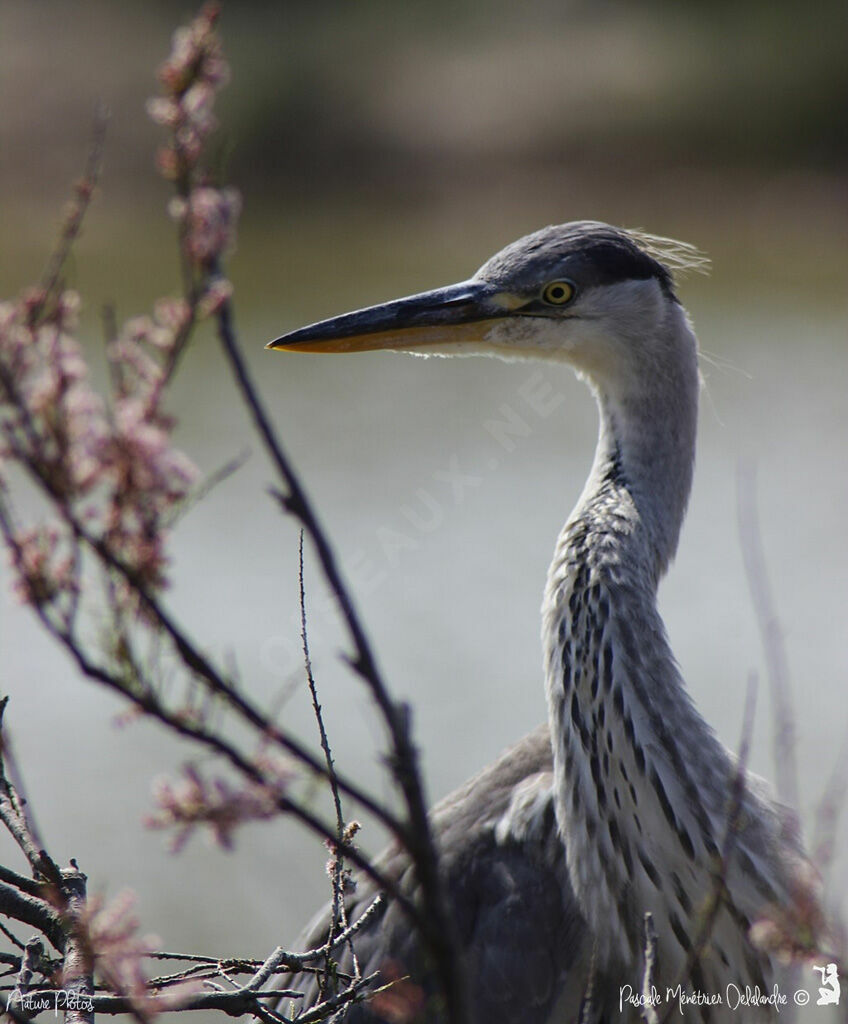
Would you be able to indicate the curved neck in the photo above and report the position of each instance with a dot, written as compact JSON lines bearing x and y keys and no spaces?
{"x":646,"y":445}
{"x":617,"y":705}
{"x":640,"y":781}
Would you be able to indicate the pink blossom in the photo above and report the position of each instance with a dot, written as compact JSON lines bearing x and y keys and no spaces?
{"x":128,"y":353}
{"x":86,"y":432}
{"x":194,"y":71}
{"x":66,"y":316}
{"x":217,"y":293}
{"x":167,"y":162}
{"x":146,"y":330}
{"x":52,"y":420}
{"x":16,"y":337}
{"x":193,"y":801}
{"x":163,"y":110}
{"x":109,"y":933}
{"x":116,"y":472}
{"x":172,"y":314}
{"x":32,"y":304}
{"x":43,"y":573}
{"x":797,"y":930}
{"x":8,"y":315}
{"x":197,"y":101}
{"x":54,"y":365}
{"x":189,"y":144}
{"x":210,"y":217}
{"x":145,"y":446}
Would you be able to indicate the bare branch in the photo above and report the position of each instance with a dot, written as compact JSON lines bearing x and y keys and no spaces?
{"x":13,"y":816}
{"x":34,"y":912}
{"x":79,"y":207}
{"x":784,"y":744}
{"x":437,"y":926}
{"x":27,"y":885}
{"x":10,"y":935}
{"x":338,"y":918}
{"x":322,"y":1010}
{"x":196,"y":662}
{"x":829,"y":810}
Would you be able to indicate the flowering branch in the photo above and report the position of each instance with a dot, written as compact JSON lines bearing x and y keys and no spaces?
{"x":102,"y":939}
{"x":114,"y":482}
{"x":436,"y":924}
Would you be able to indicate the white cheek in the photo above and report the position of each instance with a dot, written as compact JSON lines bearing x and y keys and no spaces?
{"x":531,"y":337}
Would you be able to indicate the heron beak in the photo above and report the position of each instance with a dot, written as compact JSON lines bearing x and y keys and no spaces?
{"x":443,"y":317}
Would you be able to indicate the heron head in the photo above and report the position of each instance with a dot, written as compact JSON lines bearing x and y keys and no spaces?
{"x":585,"y":293}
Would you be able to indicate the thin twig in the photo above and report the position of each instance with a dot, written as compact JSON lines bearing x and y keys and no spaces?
{"x":784,"y":744}
{"x":246,"y":767}
{"x":285,"y":961}
{"x":149,"y":703}
{"x":13,"y":815}
{"x":192,"y":658}
{"x":319,"y":1012}
{"x":10,"y":935}
{"x":338,"y":915}
{"x":829,"y":810}
{"x":84,"y":193}
{"x":207,"y":485}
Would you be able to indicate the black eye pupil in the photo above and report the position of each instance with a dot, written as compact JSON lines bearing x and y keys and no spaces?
{"x":558,"y":292}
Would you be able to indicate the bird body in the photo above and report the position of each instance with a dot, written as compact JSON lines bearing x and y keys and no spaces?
{"x":503,"y":866}
{"x":641,"y":787}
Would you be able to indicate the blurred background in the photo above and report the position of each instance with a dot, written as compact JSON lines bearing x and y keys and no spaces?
{"x":382,"y":149}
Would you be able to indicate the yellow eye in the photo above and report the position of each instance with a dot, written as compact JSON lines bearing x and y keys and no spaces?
{"x":557,"y":293}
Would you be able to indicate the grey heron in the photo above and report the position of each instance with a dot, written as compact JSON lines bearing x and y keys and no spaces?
{"x":639,"y":783}
{"x":524,"y":939}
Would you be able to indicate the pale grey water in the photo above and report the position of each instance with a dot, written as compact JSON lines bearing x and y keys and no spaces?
{"x":449,"y":576}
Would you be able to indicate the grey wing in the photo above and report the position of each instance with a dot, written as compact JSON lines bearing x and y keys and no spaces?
{"x":519,"y":926}
{"x":526,"y":944}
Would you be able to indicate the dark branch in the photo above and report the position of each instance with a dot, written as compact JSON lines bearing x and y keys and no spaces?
{"x":436,"y":924}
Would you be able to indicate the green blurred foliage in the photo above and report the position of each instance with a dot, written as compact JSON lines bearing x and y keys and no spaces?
{"x":465,"y":122}
{"x":334,"y":94}
{"x":379,"y":94}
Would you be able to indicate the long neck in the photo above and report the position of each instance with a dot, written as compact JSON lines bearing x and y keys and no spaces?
{"x":646,"y":446}
{"x":641,"y":783}
{"x":619,"y":712}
